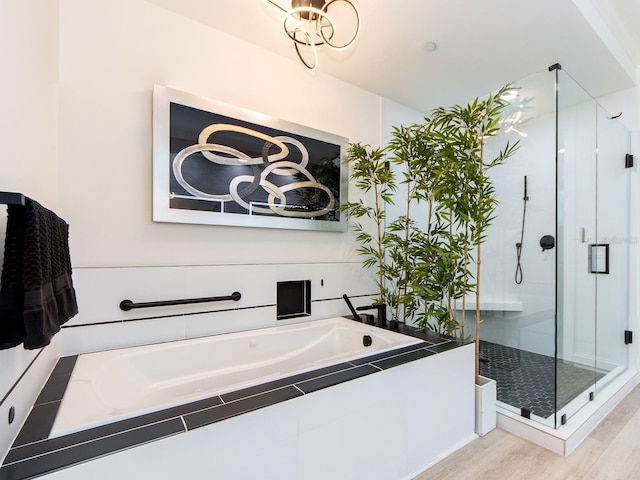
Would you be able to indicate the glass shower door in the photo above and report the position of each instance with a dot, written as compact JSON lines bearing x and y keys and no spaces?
{"x":519,"y":277}
{"x":577,"y":225}
{"x":613,"y":240}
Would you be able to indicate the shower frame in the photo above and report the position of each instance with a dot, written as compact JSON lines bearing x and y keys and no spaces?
{"x":571,"y":310}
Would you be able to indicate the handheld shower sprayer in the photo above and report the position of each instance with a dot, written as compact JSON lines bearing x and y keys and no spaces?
{"x":525,"y":198}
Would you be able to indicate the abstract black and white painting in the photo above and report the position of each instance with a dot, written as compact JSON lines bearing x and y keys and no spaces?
{"x":222,"y":165}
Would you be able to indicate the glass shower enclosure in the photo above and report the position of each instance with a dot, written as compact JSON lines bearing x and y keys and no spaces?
{"x":555,"y":265}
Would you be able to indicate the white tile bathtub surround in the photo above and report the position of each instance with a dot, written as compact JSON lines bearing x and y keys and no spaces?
{"x":323,"y":309}
{"x":14,"y":361}
{"x":120,"y":384}
{"x":109,"y":336}
{"x":383,"y":436}
{"x":256,"y":283}
{"x":215,"y":323}
{"x":23,"y":396}
{"x":330,"y":280}
{"x":100,"y":291}
{"x":392,"y":424}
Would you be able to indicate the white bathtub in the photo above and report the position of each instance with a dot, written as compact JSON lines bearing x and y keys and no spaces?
{"x":118,"y":384}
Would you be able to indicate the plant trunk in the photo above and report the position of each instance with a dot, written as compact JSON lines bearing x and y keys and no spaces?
{"x":450,"y":290}
{"x":429,"y":217}
{"x":466,"y":278}
{"x":478,"y":321}
{"x":478,"y":262}
{"x":380,"y":254}
{"x":406,"y":253}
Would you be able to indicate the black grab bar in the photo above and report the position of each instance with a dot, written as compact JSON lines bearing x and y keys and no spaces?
{"x":127,"y":305}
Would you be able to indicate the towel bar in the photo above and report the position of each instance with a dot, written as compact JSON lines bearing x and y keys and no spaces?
{"x":10,"y":198}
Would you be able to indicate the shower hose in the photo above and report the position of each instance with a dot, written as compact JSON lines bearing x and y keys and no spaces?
{"x":518,"y":276}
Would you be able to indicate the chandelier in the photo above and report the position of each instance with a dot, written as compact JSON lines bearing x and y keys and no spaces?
{"x":309,"y":25}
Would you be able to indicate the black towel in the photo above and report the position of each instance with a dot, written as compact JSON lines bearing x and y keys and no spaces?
{"x":37,"y":294}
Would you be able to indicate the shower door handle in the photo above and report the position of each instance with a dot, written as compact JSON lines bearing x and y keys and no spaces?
{"x":599,"y":258}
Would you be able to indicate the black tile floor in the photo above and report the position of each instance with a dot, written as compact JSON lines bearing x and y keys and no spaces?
{"x":526,"y":380}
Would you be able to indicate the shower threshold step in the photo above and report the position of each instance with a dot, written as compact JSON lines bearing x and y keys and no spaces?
{"x":566,"y":438}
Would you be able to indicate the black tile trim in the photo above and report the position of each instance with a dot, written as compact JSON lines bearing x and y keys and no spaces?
{"x":38,"y":423}
{"x":389,"y":353}
{"x":211,"y":415}
{"x":428,"y":336}
{"x":443,"y":347}
{"x":58,"y":459}
{"x":319,"y":383}
{"x":64,"y":366}
{"x":40,"y":420}
{"x":23,"y":452}
{"x":34,"y":452}
{"x":54,"y":389}
{"x":282,"y":382}
{"x":404,"y":358}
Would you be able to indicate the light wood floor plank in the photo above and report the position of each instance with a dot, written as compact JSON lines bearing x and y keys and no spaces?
{"x":611,"y":452}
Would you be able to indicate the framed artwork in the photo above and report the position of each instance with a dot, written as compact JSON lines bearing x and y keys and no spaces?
{"x":217,"y":164}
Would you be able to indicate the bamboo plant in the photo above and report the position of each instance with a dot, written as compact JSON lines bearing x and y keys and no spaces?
{"x":466,"y":129}
{"x":429,"y":258}
{"x":371,"y":174}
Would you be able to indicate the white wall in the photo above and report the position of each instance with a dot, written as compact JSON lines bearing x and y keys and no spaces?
{"x":106,"y":82}
{"x":29,"y":159}
{"x":626,"y":102}
{"x":105,"y":136}
{"x":29,"y":120}
{"x":77,"y":84}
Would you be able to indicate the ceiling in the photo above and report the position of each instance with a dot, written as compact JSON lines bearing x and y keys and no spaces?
{"x":481,"y":44}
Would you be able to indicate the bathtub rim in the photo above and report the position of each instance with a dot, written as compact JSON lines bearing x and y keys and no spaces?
{"x":33,"y":454}
{"x":59,"y":430}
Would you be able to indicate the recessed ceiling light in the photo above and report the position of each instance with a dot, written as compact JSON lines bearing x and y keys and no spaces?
{"x":429,"y":46}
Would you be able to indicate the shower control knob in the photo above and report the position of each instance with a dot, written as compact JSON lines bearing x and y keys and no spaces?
{"x":547,"y":242}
